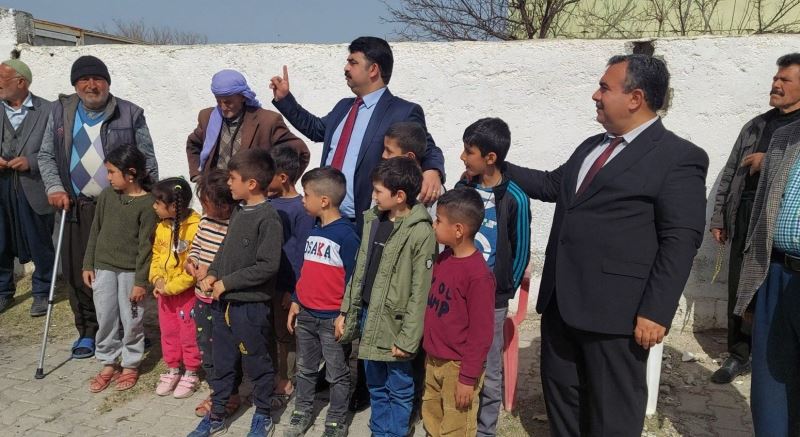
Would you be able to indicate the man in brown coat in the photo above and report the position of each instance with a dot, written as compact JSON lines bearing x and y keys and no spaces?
{"x":237,"y":122}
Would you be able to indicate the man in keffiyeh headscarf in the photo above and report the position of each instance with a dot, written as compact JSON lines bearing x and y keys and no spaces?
{"x":238,"y":122}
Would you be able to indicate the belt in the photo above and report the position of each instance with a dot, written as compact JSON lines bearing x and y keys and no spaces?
{"x":791,"y":262}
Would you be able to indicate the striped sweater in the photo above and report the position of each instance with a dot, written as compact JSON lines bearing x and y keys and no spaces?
{"x":206,"y":242}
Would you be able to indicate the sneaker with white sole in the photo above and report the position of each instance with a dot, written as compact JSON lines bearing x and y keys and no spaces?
{"x":167,"y":383}
{"x":186,"y":387}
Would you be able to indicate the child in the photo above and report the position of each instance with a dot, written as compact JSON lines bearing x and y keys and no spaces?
{"x":242,"y":280}
{"x":215,"y":198}
{"x":459,"y":319}
{"x":391,"y":283}
{"x":503,"y":239}
{"x":407,"y":138}
{"x":296,"y":226}
{"x":174,"y":287}
{"x":330,"y":255}
{"x":115,"y":266}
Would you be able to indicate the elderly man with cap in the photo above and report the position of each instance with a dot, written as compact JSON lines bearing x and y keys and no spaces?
{"x":26,"y":218}
{"x":81,"y":129}
{"x":238,"y":122}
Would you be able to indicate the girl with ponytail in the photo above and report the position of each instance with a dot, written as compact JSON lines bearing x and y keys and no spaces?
{"x":174,"y":287}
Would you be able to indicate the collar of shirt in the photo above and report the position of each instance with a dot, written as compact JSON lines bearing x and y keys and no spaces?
{"x":372,"y":98}
{"x":631,"y":135}
{"x":26,"y":104}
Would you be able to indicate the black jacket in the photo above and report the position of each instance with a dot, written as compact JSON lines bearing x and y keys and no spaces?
{"x":513,"y":238}
{"x":625,"y":247}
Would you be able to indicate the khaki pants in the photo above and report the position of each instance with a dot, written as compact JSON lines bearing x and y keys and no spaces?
{"x":440,"y":417}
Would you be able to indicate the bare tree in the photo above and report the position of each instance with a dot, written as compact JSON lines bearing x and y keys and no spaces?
{"x":160,"y":35}
{"x":473,"y":20}
{"x":771,"y":16}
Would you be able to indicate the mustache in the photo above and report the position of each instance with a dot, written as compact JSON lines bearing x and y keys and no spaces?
{"x":776,"y":92}
{"x":598,"y":105}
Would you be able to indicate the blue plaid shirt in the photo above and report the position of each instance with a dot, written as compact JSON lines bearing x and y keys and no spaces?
{"x":787,"y":225}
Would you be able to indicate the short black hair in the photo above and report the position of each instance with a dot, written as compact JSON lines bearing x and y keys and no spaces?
{"x":411,"y":137}
{"x":287,"y":160}
{"x":489,"y":135}
{"x":254,"y":164}
{"x":213,"y":187}
{"x":400,"y":173}
{"x":788,"y":59}
{"x":326,"y":181}
{"x":648,"y":74}
{"x":377,"y":51}
{"x":462,"y":205}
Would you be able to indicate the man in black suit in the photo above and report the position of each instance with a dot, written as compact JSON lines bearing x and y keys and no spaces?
{"x":629,"y":218}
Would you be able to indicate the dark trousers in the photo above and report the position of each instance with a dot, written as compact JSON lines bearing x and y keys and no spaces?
{"x":316,"y":342}
{"x":738,"y":339}
{"x":241,"y":330}
{"x":775,"y":388}
{"x":203,"y":322}
{"x":26,"y":235}
{"x":76,"y":237}
{"x":594,"y":384}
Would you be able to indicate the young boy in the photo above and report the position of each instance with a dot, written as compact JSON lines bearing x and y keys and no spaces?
{"x":387,"y":294}
{"x":330,"y":255}
{"x":503,"y":239}
{"x":242,"y":279}
{"x":459,"y":319}
{"x":296,"y":226}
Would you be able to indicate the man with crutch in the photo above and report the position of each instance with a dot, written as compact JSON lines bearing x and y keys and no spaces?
{"x":26,"y":218}
{"x":81,"y":129}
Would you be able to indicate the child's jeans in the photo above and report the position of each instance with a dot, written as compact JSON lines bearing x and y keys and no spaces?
{"x":439,"y":413}
{"x":111,"y":296}
{"x":241,"y":330}
{"x":391,"y":395}
{"x":178,"y":336}
{"x":282,"y":344}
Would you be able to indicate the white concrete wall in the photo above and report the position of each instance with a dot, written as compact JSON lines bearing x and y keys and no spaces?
{"x":541,"y":88}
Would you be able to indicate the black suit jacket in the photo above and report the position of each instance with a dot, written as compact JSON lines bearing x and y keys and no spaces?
{"x":625,"y":246}
{"x":389,"y":110}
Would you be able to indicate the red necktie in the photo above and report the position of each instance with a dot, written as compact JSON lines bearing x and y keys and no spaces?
{"x":344,"y":138}
{"x":598,"y":164}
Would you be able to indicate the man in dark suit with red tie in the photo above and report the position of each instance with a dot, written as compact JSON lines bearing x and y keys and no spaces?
{"x":629,"y":218}
{"x":352,"y":133}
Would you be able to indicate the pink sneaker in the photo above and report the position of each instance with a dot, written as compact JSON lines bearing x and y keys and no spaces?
{"x":186,"y":387}
{"x":167,"y":383}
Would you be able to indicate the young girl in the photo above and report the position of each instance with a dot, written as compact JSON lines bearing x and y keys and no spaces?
{"x":115,"y":266}
{"x":217,"y":202}
{"x":174,"y":288}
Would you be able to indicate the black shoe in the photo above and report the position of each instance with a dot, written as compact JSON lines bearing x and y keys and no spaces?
{"x":358,"y":402}
{"x":5,"y":303}
{"x":39,"y":306}
{"x":729,"y":370}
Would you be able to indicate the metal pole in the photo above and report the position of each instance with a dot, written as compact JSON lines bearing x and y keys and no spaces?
{"x":50,"y":300}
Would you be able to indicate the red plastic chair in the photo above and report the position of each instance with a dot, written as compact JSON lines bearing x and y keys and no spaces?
{"x":511,"y":343}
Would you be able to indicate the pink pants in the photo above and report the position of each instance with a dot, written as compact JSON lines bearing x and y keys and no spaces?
{"x":178,"y":336}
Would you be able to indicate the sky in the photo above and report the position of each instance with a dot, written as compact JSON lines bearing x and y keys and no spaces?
{"x":231,"y":21}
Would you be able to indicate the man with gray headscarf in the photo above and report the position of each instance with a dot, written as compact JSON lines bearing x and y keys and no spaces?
{"x":26,"y":219}
{"x":238,"y":122}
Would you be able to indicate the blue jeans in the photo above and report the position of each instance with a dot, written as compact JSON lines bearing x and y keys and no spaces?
{"x":775,"y":389}
{"x":391,"y":394}
{"x":26,"y":235}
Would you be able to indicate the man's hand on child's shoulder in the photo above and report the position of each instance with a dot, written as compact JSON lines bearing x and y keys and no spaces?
{"x":464,"y":395}
{"x":399,"y":353}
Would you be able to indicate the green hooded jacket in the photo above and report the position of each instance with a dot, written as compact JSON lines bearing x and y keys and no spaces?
{"x":400,"y":291}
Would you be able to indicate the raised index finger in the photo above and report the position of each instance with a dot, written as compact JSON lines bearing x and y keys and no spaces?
{"x":285,"y":73}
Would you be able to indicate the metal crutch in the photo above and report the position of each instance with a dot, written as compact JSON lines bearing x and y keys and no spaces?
{"x":50,"y":300}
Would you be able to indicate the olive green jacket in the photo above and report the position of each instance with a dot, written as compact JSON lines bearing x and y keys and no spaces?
{"x":400,"y":290}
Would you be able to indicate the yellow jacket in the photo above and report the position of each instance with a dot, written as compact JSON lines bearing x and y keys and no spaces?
{"x":164,"y":265}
